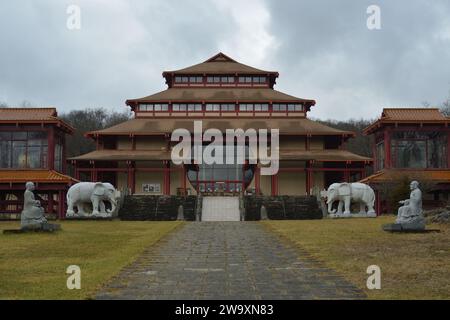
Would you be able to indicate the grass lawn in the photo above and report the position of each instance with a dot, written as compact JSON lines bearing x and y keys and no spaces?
{"x":413,"y":266}
{"x":33,"y":266}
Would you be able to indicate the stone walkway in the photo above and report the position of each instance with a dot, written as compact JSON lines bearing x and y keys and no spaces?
{"x":226,"y":260}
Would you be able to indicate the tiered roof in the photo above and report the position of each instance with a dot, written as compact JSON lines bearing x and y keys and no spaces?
{"x":151,"y":126}
{"x":33,"y":116}
{"x":397,"y":116}
{"x":35,"y":175}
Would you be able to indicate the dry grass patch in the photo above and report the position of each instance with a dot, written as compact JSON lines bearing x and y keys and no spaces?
{"x":413,"y":266}
{"x":33,"y":266}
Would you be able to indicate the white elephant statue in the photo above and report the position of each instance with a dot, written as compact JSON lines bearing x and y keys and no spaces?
{"x":96,"y":193}
{"x":345,"y":193}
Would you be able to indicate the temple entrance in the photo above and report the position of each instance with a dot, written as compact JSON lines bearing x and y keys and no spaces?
{"x":220,"y":179}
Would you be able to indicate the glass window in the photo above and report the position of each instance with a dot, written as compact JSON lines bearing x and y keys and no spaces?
{"x":242,"y":79}
{"x":291,"y":107}
{"x":265,"y":107}
{"x":23,"y":149}
{"x":184,"y":79}
{"x":199,"y":79}
{"x":246,"y":107}
{"x":258,"y":107}
{"x":20,"y":135}
{"x":279,"y":107}
{"x":410,"y":153}
{"x":210,"y":79}
{"x":248,"y":79}
{"x":5,"y":152}
{"x":19,"y":154}
{"x":178,"y":79}
{"x":262,"y":79}
{"x":216,"y":79}
{"x":212,"y":107}
{"x":228,"y":107}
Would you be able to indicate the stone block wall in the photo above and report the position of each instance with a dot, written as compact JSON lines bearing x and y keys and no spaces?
{"x":282,"y":207}
{"x":157,"y":208}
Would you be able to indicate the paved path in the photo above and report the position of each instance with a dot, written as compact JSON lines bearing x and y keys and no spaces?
{"x":226,"y":260}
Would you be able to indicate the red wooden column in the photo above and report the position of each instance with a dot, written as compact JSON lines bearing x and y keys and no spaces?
{"x":131,"y":175}
{"x":257,"y":180}
{"x":387,"y":148}
{"x":448,"y":150}
{"x":274,"y":184}
{"x":50,"y":202}
{"x":308,"y":177}
{"x":183,"y":180}
{"x":166,"y":165}
{"x":94,"y":175}
{"x":51,"y":149}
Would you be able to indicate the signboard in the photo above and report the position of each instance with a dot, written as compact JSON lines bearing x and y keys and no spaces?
{"x":151,"y":187}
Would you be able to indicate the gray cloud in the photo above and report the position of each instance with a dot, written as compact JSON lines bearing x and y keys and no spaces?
{"x":322,"y":50}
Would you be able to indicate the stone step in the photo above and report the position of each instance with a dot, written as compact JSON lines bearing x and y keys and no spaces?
{"x":220,"y":209}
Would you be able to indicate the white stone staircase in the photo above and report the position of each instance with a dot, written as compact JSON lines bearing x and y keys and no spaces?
{"x":220,"y":209}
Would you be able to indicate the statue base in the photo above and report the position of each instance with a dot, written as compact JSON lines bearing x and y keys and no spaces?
{"x":405,"y":227}
{"x":38,"y":227}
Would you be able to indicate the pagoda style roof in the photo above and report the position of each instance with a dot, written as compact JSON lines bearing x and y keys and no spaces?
{"x":34,"y":175}
{"x":335,"y":155}
{"x":33,"y":116}
{"x":408,"y":116}
{"x":326,"y":155}
{"x":220,"y":64}
{"x":124,"y":155}
{"x":151,"y":126}
{"x":220,"y":95}
{"x":395,"y":175}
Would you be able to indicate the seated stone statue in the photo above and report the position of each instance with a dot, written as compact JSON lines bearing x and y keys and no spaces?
{"x":32,"y":213}
{"x":410,"y":214}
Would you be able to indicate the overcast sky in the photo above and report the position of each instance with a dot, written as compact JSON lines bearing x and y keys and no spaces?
{"x":322,"y":49}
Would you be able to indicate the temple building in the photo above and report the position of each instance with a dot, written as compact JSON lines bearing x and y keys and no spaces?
{"x":410,"y":144}
{"x":224,"y":94}
{"x":32,"y":148}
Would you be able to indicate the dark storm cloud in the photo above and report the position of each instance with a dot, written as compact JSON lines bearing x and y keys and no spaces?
{"x":331,"y":55}
{"x":322,"y":49}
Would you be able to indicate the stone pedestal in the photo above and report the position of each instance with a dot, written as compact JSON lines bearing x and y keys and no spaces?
{"x":41,"y":227}
{"x":418,"y":225}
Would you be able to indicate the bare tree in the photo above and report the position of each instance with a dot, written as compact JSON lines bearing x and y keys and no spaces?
{"x":89,"y":120}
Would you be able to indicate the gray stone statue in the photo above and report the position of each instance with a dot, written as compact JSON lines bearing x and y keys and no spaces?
{"x":32,"y":214}
{"x":410,"y":214}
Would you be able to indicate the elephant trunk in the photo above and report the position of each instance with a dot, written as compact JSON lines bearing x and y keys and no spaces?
{"x":330,"y":204}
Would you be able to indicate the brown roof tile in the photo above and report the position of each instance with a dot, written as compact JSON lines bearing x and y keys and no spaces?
{"x":33,"y":115}
{"x":322,"y":155}
{"x":40,"y":176}
{"x":119,"y":155}
{"x":220,"y":95}
{"x":142,"y":126}
{"x":219,"y":64}
{"x":394,"y":175}
{"x":412,"y":114}
{"x":143,"y":155}
{"x":408,"y":116}
{"x":17,"y":114}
